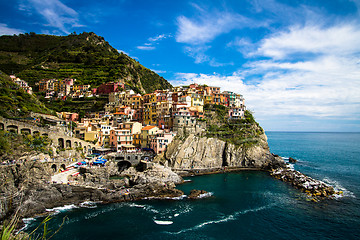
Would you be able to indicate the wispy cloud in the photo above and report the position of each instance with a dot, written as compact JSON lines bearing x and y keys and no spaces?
{"x":198,"y":32}
{"x":243,"y":45}
{"x":147,"y":48}
{"x":56,"y":14}
{"x":159,"y":37}
{"x":208,"y":26}
{"x":158,"y":71}
{"x":199,"y":54}
{"x":153,"y":41}
{"x":5,"y":30}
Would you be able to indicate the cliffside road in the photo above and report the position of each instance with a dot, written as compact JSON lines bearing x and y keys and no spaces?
{"x":63,"y":177}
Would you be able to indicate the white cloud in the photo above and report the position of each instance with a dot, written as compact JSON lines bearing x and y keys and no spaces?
{"x":56,"y":14}
{"x":208,"y":26}
{"x":339,"y":39}
{"x":243,"y":45}
{"x":199,"y":54}
{"x":147,"y":48}
{"x":159,"y":37}
{"x":158,"y":71}
{"x":198,"y":32}
{"x":322,"y":80}
{"x":5,"y":30}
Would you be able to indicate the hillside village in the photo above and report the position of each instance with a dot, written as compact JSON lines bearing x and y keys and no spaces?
{"x":131,"y":121}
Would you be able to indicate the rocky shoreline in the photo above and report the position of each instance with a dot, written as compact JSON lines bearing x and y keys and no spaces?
{"x":27,"y":186}
{"x":158,"y":182}
{"x":315,"y":189}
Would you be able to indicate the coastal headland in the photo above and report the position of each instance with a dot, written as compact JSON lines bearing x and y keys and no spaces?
{"x":28,"y":189}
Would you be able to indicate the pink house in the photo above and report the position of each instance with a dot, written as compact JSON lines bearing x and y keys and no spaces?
{"x":160,"y":141}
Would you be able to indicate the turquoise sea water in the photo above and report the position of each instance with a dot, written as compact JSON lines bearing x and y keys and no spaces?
{"x":244,"y":205}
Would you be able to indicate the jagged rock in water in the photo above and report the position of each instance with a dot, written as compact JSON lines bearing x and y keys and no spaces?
{"x":313,"y":187}
{"x":194,"y":194}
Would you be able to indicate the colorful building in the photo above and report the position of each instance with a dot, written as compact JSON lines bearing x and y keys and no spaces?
{"x":160,"y":141}
{"x":146,"y":132}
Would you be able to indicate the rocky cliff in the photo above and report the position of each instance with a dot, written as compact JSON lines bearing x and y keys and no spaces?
{"x":197,"y":152}
{"x":26,"y":189}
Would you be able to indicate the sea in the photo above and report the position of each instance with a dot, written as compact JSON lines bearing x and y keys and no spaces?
{"x":239,"y":205}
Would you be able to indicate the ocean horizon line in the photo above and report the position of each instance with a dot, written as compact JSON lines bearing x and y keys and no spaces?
{"x":284,"y":131}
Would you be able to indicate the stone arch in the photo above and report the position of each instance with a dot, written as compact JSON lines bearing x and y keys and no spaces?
{"x":45,"y":135}
{"x":54,"y":167}
{"x":25,"y":131}
{"x":123,"y":165}
{"x":63,"y":167}
{"x":36,"y":133}
{"x":12,"y":128}
{"x":80,"y":145}
{"x":76,"y":144}
{"x":68,"y":143}
{"x":61,"y":143}
{"x":2,"y":126}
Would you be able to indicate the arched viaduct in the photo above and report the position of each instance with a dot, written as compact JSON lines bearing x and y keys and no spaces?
{"x":56,"y":134}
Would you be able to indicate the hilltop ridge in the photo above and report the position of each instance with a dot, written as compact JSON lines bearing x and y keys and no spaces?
{"x":86,"y":57}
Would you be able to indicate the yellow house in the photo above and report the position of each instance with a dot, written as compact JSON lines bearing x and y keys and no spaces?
{"x":197,"y":102}
{"x":137,"y":140}
{"x":145,"y":133}
{"x":136,"y":101}
{"x":153,"y":114}
{"x":149,"y":98}
{"x":146,"y":114}
{"x":91,"y":136}
{"x":208,"y":99}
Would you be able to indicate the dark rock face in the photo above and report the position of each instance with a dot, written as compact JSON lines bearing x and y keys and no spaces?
{"x":292,"y":160}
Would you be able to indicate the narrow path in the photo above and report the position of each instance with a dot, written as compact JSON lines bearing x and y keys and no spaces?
{"x":63,"y":177}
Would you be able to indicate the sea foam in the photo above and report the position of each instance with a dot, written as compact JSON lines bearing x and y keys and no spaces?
{"x":161,"y":222}
{"x":228,"y":218}
{"x":65,"y":208}
{"x":338,"y":187}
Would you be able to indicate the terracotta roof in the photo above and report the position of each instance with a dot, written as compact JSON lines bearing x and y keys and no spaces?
{"x":120,"y":113}
{"x":147,"y":127}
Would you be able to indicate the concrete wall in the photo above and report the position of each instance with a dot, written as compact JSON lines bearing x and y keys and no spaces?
{"x":59,"y":138}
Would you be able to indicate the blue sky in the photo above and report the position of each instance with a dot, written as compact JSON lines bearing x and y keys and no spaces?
{"x":297,"y":62}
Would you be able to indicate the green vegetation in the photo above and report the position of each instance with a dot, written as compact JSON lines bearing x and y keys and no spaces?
{"x":7,"y":232}
{"x":78,"y":105}
{"x":15,"y":102}
{"x":86,"y":57}
{"x":13,"y":145}
{"x":244,"y":132}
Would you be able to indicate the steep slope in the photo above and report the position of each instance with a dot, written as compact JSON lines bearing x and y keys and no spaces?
{"x":85,"y":57}
{"x":232,"y":144}
{"x":15,"y":102}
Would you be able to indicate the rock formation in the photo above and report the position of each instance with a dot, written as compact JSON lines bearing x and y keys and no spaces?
{"x":26,"y":187}
{"x":196,"y":152}
{"x":314,"y":188}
